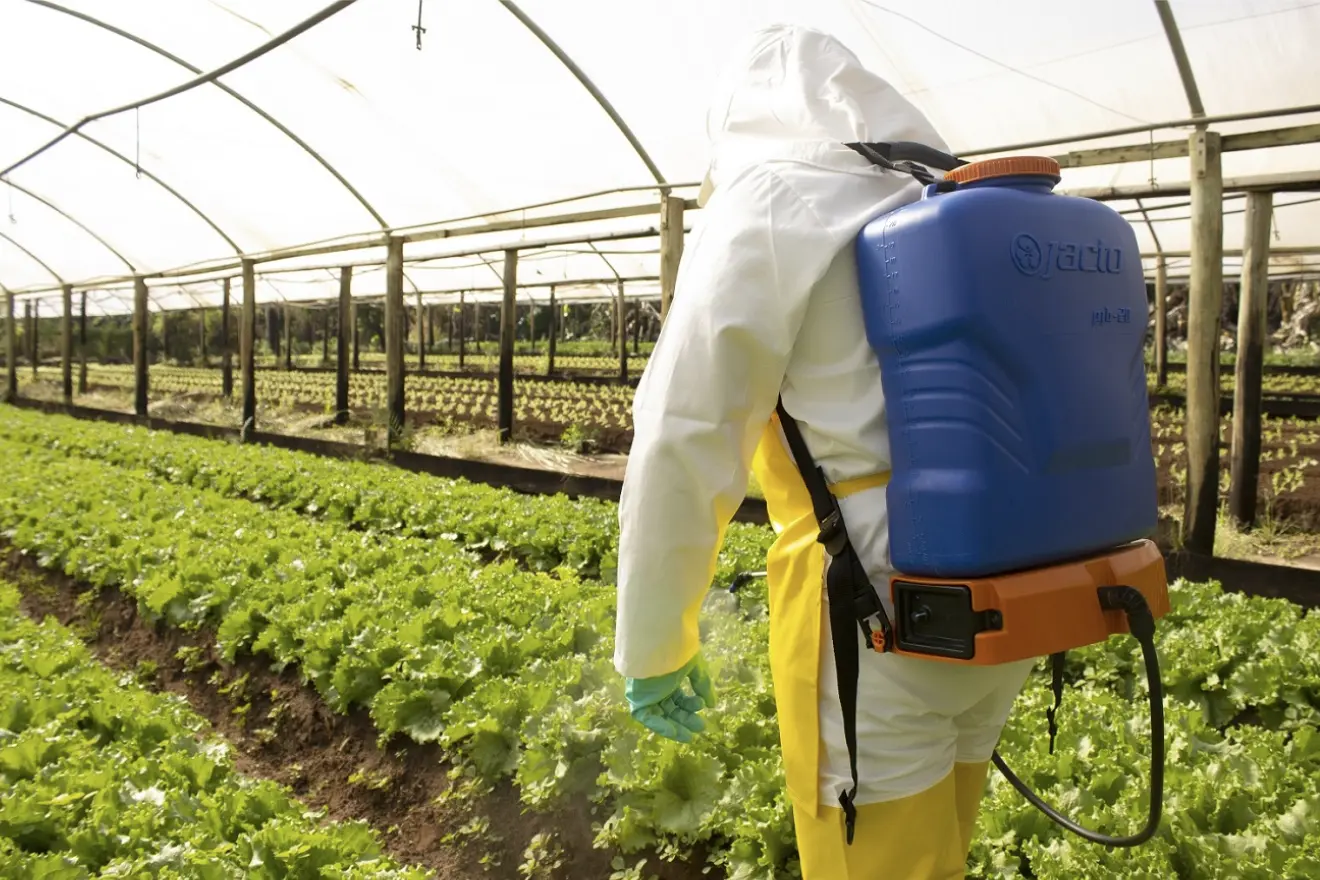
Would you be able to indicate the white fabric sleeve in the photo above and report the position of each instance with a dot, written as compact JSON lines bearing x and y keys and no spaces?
{"x":704,"y":399}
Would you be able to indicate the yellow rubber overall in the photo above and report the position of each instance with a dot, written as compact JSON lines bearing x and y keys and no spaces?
{"x":922,"y":837}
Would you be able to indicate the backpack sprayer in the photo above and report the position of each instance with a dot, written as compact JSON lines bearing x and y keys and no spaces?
{"x":1009,"y":322}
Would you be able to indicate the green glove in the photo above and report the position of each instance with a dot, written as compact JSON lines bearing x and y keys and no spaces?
{"x":660,"y":704}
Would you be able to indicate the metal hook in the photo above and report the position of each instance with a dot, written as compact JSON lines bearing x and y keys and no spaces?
{"x":418,"y":27}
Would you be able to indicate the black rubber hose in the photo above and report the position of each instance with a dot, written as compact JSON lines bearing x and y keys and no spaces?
{"x":1141,"y":623}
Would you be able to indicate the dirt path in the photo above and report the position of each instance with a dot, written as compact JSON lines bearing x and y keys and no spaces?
{"x":281,"y":729}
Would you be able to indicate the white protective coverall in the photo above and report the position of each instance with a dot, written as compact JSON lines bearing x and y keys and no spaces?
{"x":767,"y":303}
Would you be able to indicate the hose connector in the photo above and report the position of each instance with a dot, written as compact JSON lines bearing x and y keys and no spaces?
{"x":1129,"y":600}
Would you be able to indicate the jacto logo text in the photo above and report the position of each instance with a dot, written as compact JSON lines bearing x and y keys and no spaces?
{"x":1043,"y":260}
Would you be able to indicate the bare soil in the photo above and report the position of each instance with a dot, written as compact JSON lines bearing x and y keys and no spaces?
{"x":286,"y":733}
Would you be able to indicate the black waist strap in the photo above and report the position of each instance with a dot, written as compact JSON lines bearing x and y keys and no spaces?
{"x":852,"y":599}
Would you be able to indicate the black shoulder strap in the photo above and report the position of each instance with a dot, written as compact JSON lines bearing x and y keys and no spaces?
{"x":908,"y":157}
{"x":852,"y":599}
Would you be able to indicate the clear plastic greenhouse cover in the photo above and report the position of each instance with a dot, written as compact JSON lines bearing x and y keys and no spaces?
{"x":349,"y":128}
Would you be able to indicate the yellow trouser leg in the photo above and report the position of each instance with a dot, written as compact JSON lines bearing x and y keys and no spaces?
{"x":970,"y":782}
{"x":914,"y":838}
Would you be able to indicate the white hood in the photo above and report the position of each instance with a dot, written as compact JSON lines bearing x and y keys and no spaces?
{"x":801,"y":94}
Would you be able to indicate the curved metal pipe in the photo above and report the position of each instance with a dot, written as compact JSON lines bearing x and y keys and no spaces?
{"x":127,"y":161}
{"x":164,"y":53}
{"x":590,"y":87}
{"x":36,"y":259}
{"x":205,"y":78}
{"x":75,"y":221}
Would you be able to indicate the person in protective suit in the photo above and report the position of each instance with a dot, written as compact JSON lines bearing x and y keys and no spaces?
{"x":767,"y":306}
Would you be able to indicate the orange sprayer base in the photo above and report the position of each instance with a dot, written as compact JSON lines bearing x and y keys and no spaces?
{"x":1025,"y":614}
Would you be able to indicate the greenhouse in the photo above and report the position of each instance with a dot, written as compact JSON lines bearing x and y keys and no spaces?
{"x":372,"y":282}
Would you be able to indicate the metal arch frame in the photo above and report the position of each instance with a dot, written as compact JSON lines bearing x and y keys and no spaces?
{"x":203,"y":79}
{"x":36,"y":259}
{"x":127,"y":161}
{"x":75,"y":221}
{"x":233,"y":93}
{"x":1174,"y":36}
{"x":590,"y":86}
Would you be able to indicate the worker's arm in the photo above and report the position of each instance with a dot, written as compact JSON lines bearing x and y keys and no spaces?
{"x":703,"y":402}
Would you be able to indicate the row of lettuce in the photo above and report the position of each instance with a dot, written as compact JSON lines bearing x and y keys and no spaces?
{"x":483,"y":620}
{"x":103,"y":778}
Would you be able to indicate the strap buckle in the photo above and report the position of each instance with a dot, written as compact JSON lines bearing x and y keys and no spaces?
{"x":832,"y":532}
{"x":880,"y":639}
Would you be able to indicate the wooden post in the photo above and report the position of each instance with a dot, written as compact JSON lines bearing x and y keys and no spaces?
{"x":508,"y":317}
{"x":1161,"y":324}
{"x":421,"y":333}
{"x":552,"y":330}
{"x":357,"y":340}
{"x":462,"y":330}
{"x":637,"y":327}
{"x":201,"y":319}
{"x":325,"y":337}
{"x":82,"y":345}
{"x":531,"y":320}
{"x":34,"y":339}
{"x":226,"y":350}
{"x":621,"y":332}
{"x":141,"y":325}
{"x":287,"y":314}
{"x":66,"y":344}
{"x":671,"y":248}
{"x":1205,"y":302}
{"x":1250,"y":359}
{"x":247,"y":350}
{"x":11,"y":350}
{"x":394,"y":339}
{"x":342,"y":355}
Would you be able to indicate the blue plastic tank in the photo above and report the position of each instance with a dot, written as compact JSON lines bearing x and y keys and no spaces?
{"x":1010,"y":323}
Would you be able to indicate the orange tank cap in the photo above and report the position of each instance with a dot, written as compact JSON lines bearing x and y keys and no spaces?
{"x":1007,"y":166}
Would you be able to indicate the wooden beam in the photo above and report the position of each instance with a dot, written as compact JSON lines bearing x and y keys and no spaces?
{"x":1284,"y":181}
{"x":1205,"y":301}
{"x":671,"y":249}
{"x":247,"y":350}
{"x":226,"y":349}
{"x":1161,"y":324}
{"x":82,"y":344}
{"x":1252,"y":312}
{"x":342,"y":351}
{"x":508,"y":318}
{"x":552,"y":331}
{"x":394,"y":333}
{"x":1252,"y":140}
{"x":11,"y":349}
{"x":141,"y":317}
